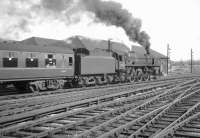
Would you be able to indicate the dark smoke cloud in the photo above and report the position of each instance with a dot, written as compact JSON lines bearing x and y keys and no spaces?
{"x":112,"y":13}
{"x":26,"y":12}
{"x":108,"y":12}
{"x":143,"y":39}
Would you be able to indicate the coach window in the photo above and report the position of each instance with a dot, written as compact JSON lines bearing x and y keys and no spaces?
{"x":32,"y":61}
{"x":10,"y":61}
{"x":50,"y":61}
{"x":70,"y":61}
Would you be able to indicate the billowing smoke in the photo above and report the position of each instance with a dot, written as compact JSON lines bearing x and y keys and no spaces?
{"x":108,"y":12}
{"x":24,"y":13}
{"x":143,"y":39}
{"x":112,"y":13}
{"x":15,"y":18}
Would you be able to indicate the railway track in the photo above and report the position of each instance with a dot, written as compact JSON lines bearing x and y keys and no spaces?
{"x":173,"y":114}
{"x":17,"y":95}
{"x":13,"y":111}
{"x":12,"y":94}
{"x":99,"y":109}
{"x":117,"y":127}
{"x":61,"y":91}
{"x":188,"y":128}
{"x":16,"y":108}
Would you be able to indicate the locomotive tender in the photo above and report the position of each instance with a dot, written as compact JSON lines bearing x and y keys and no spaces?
{"x":38,"y":64}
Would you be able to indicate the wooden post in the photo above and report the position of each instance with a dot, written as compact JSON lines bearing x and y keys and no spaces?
{"x":167,"y":57}
{"x":191,"y":60}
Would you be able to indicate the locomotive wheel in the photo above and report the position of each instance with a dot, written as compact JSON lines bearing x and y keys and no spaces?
{"x":146,"y":77}
{"x":104,"y":80}
{"x":133,"y":79}
{"x":81,"y":82}
{"x":140,"y":76}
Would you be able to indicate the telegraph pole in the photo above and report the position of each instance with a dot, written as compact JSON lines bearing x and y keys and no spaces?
{"x":191,"y":60}
{"x":167,"y":57}
{"x":109,"y":45}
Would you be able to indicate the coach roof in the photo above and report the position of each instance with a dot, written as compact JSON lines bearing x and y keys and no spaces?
{"x":36,"y":44}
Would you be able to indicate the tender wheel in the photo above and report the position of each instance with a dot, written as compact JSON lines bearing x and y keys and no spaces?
{"x":81,"y":82}
{"x":133,"y":79}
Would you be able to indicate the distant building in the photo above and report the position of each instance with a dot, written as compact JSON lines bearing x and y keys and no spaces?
{"x":97,"y":46}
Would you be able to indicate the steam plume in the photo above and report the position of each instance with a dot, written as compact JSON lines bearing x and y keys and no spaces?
{"x":19,"y":15}
{"x":108,"y":12}
{"x":112,"y":13}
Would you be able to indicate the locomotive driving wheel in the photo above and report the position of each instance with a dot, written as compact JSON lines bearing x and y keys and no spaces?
{"x":145,"y":76}
{"x":139,"y":76}
{"x":133,"y":79}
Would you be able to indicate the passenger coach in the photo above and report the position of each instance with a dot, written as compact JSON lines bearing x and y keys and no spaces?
{"x":36,"y":67}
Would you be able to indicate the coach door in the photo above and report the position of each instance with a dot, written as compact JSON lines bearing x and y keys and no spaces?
{"x":77,"y":64}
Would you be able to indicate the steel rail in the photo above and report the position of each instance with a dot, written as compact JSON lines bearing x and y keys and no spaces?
{"x":192,"y":111}
{"x":62,"y":107}
{"x":141,"y":110}
{"x":163,"y":120}
{"x":130,"y":100}
{"x":186,"y":128}
{"x":24,"y":95}
{"x":132,"y":126}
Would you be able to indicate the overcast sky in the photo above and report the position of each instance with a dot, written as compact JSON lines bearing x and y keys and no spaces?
{"x":176,"y":22}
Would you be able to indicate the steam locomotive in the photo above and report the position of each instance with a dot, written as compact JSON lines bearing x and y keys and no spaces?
{"x":38,"y":64}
